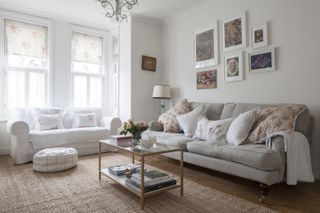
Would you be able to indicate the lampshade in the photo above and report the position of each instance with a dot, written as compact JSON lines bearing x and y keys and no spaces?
{"x":161,"y":92}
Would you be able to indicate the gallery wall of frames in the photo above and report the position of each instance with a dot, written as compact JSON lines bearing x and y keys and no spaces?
{"x":229,"y":39}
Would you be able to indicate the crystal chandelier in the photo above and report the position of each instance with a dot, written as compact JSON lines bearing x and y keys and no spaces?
{"x":117,"y":10}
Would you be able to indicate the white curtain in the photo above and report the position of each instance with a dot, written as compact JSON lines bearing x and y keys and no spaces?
{"x":87,"y":48}
{"x":26,"y":39}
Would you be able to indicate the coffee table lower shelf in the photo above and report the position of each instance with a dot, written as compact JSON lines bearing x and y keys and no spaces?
{"x":121,"y":181}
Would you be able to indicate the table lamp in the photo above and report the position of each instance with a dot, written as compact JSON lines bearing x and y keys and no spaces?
{"x":161,"y":92}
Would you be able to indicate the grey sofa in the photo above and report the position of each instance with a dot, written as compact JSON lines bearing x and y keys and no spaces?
{"x":251,"y":161}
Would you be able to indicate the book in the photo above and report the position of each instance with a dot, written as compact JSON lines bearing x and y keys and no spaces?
{"x":153,"y":182}
{"x":121,"y":169}
{"x":150,"y":188}
{"x":121,"y":137}
{"x":150,"y":177}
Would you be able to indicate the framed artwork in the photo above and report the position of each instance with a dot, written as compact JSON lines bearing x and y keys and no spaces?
{"x":207,"y":79}
{"x":149,"y":63}
{"x":234,"y":33}
{"x":259,"y":36}
{"x":233,"y":67}
{"x":262,"y":61}
{"x":206,"y":46}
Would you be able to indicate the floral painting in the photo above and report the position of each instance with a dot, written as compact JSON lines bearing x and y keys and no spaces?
{"x":259,"y":36}
{"x":207,"y":79}
{"x":206,"y":46}
{"x":234,"y":33}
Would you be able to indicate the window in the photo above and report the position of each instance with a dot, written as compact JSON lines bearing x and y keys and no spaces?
{"x":26,"y":64}
{"x":87,"y":72}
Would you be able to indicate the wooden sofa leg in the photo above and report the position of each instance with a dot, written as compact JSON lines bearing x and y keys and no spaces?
{"x":263,"y":192}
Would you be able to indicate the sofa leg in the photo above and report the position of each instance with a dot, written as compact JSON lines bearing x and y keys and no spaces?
{"x":263,"y":192}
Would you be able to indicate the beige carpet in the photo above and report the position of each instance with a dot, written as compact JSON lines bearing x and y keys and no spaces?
{"x":79,"y":190}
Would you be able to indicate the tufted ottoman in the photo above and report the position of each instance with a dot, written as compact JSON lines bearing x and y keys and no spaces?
{"x":55,"y":159}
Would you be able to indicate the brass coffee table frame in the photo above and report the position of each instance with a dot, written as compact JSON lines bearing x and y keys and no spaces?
{"x":142,"y":156}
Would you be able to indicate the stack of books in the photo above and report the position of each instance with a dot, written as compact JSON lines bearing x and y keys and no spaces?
{"x":153,"y":180}
{"x":121,"y":139}
{"x":122,"y":169}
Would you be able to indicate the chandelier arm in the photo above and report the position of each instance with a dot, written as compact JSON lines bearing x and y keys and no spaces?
{"x":128,"y":4}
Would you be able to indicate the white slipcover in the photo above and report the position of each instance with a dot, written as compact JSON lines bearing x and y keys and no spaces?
{"x":55,"y":159}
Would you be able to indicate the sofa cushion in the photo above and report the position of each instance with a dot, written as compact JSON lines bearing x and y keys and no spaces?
{"x":252,"y":155}
{"x":169,"y":120}
{"x":171,"y":139}
{"x":241,"y":126}
{"x":212,"y":110}
{"x":188,"y":122}
{"x":58,"y":137}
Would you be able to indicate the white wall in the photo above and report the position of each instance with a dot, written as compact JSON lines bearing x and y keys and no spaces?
{"x":140,"y":36}
{"x":293,"y":29}
{"x":146,"y":40}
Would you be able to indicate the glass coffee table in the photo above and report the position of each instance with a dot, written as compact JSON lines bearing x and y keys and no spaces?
{"x":138,"y":150}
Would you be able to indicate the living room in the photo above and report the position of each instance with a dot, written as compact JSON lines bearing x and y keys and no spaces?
{"x":166,"y":63}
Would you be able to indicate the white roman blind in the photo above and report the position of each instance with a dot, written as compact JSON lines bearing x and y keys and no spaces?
{"x":87,"y":70}
{"x":26,"y":44}
{"x":26,"y":64}
{"x":86,"y":48}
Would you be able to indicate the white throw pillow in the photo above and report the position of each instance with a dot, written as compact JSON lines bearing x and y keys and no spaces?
{"x":212,"y":131}
{"x":47,"y":122}
{"x":84,"y":120}
{"x":240,"y":127}
{"x":188,"y":122}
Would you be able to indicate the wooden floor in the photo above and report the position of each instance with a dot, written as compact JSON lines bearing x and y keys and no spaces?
{"x":304,"y":197}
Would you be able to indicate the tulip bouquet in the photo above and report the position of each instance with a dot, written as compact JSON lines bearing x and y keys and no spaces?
{"x":134,"y":128}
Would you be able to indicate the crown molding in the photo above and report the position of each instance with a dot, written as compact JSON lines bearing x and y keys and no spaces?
{"x":146,"y":20}
{"x":187,"y":11}
{"x":12,"y":8}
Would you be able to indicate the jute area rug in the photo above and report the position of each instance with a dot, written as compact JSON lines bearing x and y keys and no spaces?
{"x":79,"y":190}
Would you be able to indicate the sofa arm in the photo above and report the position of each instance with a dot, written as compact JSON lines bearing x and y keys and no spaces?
{"x":20,"y":146}
{"x":112,"y":124}
{"x":17,"y":127}
{"x":156,"y":126}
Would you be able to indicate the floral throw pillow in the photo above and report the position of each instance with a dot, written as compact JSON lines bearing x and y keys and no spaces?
{"x":84,"y":120}
{"x":212,"y":131}
{"x":275,"y":119}
{"x":48,"y":122}
{"x":169,"y":120}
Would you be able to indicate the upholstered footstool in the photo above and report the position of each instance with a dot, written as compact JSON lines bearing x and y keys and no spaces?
{"x":55,"y":159}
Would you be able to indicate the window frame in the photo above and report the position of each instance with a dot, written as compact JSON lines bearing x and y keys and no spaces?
{"x":103,"y":75}
{"x":8,"y":15}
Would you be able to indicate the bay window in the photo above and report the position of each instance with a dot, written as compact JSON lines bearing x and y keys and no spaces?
{"x":87,"y":70}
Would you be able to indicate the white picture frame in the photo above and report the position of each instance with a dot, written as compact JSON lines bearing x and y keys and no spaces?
{"x":234,"y":33}
{"x":233,"y":67}
{"x":259,"y":36}
{"x":262,"y":60}
{"x":204,"y":39}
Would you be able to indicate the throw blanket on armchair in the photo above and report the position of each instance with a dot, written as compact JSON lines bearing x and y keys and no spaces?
{"x":297,"y":150}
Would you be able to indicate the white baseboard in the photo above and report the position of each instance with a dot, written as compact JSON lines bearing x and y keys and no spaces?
{"x":4,"y":150}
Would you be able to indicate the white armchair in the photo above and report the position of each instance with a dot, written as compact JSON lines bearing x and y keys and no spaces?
{"x":25,"y":140}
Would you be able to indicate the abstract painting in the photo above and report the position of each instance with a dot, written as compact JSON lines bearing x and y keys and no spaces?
{"x":207,"y":79}
{"x":262,"y":61}
{"x":206,"y":47}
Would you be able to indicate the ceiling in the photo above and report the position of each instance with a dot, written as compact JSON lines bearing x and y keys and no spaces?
{"x":91,"y":11}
